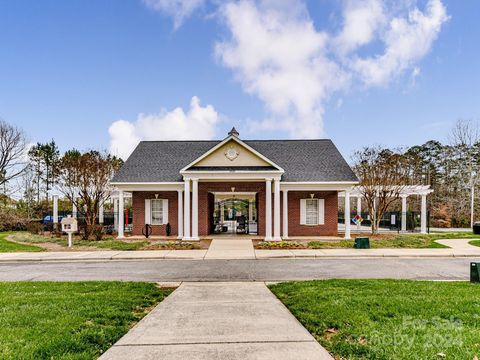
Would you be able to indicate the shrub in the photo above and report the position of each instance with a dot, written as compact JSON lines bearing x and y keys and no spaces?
{"x":35,"y":227}
{"x":11,"y":220}
{"x":98,"y":232}
{"x":279,"y":245}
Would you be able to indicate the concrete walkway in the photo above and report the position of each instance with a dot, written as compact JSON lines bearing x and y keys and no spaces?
{"x":229,"y":249}
{"x":218,"y":321}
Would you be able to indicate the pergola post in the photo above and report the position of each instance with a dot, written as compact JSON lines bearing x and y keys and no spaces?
{"x":404,"y":213}
{"x":347,"y":215}
{"x":55,"y":212}
{"x":100,"y":213}
{"x":423,"y":215}
{"x":74,"y":209}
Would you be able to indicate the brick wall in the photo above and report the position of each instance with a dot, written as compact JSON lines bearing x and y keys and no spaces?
{"x":330,"y":228}
{"x":205,"y":208}
{"x":138,"y":203}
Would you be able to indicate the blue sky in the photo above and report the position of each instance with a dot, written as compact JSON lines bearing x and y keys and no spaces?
{"x":71,"y":69}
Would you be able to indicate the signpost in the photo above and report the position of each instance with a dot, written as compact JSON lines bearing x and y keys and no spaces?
{"x":357,"y":220}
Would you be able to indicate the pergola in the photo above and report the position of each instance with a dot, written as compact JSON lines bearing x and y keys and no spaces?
{"x":404,"y":193}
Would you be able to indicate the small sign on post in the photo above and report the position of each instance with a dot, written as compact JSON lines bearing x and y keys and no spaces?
{"x":357,"y":220}
{"x":69,"y":225}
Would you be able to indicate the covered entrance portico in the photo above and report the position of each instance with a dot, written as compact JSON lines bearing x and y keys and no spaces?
{"x":234,"y":213}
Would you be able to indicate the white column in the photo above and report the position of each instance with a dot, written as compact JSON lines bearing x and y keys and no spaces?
{"x":186,"y":210}
{"x":347,"y":215}
{"x":180,"y":214}
{"x":121,"y":223}
{"x":115,"y":213}
{"x":423,"y":215}
{"x":55,"y":211}
{"x":194,"y":209}
{"x":285,"y":214}
{"x":268,"y":209}
{"x":276,"y":210}
{"x":100,"y":213}
{"x":404,"y":213}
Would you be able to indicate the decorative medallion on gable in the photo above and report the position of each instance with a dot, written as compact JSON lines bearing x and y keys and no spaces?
{"x":231,"y":153}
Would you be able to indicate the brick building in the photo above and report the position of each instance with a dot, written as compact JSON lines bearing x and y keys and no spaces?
{"x":268,"y":188}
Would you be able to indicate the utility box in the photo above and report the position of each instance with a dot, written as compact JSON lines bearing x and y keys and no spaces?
{"x":475,"y":272}
{"x":362,"y":243}
{"x":476,"y":228}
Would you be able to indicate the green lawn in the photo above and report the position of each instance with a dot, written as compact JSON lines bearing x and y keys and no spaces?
{"x":81,"y":320}
{"x":8,"y":246}
{"x":388,"y":319}
{"x":25,"y":238}
{"x":398,"y":241}
{"x":475,"y":243}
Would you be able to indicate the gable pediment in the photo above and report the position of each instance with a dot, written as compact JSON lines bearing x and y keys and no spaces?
{"x":232,"y":153}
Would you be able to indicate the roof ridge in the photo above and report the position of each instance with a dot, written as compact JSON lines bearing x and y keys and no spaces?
{"x":217,"y":140}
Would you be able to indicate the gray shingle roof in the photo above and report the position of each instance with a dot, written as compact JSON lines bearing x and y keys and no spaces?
{"x":302,"y":160}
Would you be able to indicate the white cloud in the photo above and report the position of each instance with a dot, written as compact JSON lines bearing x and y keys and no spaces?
{"x":278,"y":55}
{"x":198,"y":123}
{"x":361,"y":21}
{"x":179,"y":10}
{"x":406,"y":41}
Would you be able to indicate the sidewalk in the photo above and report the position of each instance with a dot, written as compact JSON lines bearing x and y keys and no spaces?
{"x":243,"y":249}
{"x":217,"y":321}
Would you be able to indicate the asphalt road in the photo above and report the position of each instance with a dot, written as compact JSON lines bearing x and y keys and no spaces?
{"x":241,"y":270}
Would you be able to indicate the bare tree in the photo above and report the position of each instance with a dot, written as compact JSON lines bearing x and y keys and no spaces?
{"x":84,"y":180}
{"x":383,"y":175}
{"x":465,"y":138}
{"x":12,"y":152}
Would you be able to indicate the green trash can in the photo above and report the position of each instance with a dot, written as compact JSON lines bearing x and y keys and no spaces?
{"x":362,"y":243}
{"x":475,"y":272}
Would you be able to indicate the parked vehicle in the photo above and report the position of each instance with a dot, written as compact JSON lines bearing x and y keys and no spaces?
{"x":49,"y":219}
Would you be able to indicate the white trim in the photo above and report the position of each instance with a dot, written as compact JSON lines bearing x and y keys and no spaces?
{"x":240,"y":193}
{"x":149,"y":186}
{"x":165,"y":212}
{"x":220,"y":144}
{"x":332,"y":186}
{"x":232,"y":175}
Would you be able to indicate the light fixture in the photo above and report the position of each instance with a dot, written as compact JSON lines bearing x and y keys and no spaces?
{"x":233,"y":188}
{"x":312,"y":195}
{"x":156,"y":196}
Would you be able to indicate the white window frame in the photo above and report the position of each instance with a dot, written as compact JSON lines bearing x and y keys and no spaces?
{"x":313,"y":208}
{"x":149,"y":212}
{"x":161,"y":211}
{"x":319,"y":215}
